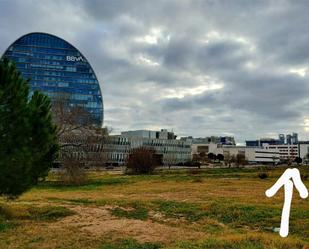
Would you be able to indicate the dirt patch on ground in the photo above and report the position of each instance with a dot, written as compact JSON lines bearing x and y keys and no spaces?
{"x":99,"y":222}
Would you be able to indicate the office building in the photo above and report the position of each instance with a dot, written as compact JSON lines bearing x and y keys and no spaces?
{"x":292,"y":138}
{"x":162,"y":134}
{"x":115,"y":149}
{"x":251,"y":154}
{"x":58,"y":69}
{"x":224,"y":140}
{"x":282,"y":138}
{"x":286,"y":151}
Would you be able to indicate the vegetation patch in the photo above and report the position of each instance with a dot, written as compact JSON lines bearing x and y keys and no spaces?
{"x":142,"y":161}
{"x":130,"y":244}
{"x":90,"y":185}
{"x":133,"y":211}
{"x":5,"y":224}
{"x":193,"y":174}
{"x":234,"y":213}
{"x":212,"y":226}
{"x":197,"y":179}
{"x":222,"y":244}
{"x":44,"y":213}
{"x":189,"y":174}
{"x":173,"y":209}
{"x":299,"y":222}
{"x":241,"y":242}
{"x":83,"y":201}
{"x":49,"y":213}
{"x":238,"y":215}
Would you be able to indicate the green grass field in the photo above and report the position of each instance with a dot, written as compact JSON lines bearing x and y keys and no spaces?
{"x":209,"y":208}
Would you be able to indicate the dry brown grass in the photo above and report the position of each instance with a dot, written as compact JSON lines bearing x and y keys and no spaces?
{"x":181,"y":212}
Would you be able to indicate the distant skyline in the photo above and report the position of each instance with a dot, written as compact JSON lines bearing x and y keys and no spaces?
{"x":199,"y":68}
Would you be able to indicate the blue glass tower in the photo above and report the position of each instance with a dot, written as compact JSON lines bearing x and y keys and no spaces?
{"x":58,"y":69}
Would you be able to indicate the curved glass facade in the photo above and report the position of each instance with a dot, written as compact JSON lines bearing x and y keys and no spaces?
{"x":58,"y":69}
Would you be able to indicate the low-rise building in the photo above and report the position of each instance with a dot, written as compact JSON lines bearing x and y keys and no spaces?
{"x":286,"y":151}
{"x":165,"y":144}
{"x":114,"y":149}
{"x":263,"y":155}
{"x":251,"y":154}
{"x":224,"y":140}
{"x":162,"y":134}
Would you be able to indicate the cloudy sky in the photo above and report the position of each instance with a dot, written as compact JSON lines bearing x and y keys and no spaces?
{"x":196,"y":67}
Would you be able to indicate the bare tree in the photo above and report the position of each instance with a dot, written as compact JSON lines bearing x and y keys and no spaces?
{"x":233,"y":159}
{"x":240,"y":159}
{"x":220,"y":158}
{"x":142,"y":160}
{"x":170,"y":159}
{"x":203,"y":157}
{"x":70,"y":118}
{"x":79,"y":152}
{"x":227,"y":159}
{"x":81,"y":142}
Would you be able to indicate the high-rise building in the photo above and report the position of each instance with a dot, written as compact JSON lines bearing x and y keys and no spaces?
{"x":58,"y":69}
{"x":282,"y":138}
{"x":294,"y":138}
{"x":288,"y":139}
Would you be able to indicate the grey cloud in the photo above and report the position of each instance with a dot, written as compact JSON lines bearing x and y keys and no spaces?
{"x":258,"y":43}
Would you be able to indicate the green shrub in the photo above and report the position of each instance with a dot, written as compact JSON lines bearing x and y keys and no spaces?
{"x":5,"y":225}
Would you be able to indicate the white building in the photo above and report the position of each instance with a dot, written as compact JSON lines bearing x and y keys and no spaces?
{"x":263,"y":155}
{"x":252,"y":154}
{"x":303,"y":151}
{"x":163,"y":134}
{"x":114,"y":150}
{"x":172,"y":150}
{"x":286,"y":151}
{"x":224,"y":140}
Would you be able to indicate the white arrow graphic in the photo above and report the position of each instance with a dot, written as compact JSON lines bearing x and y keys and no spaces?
{"x":286,"y":181}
